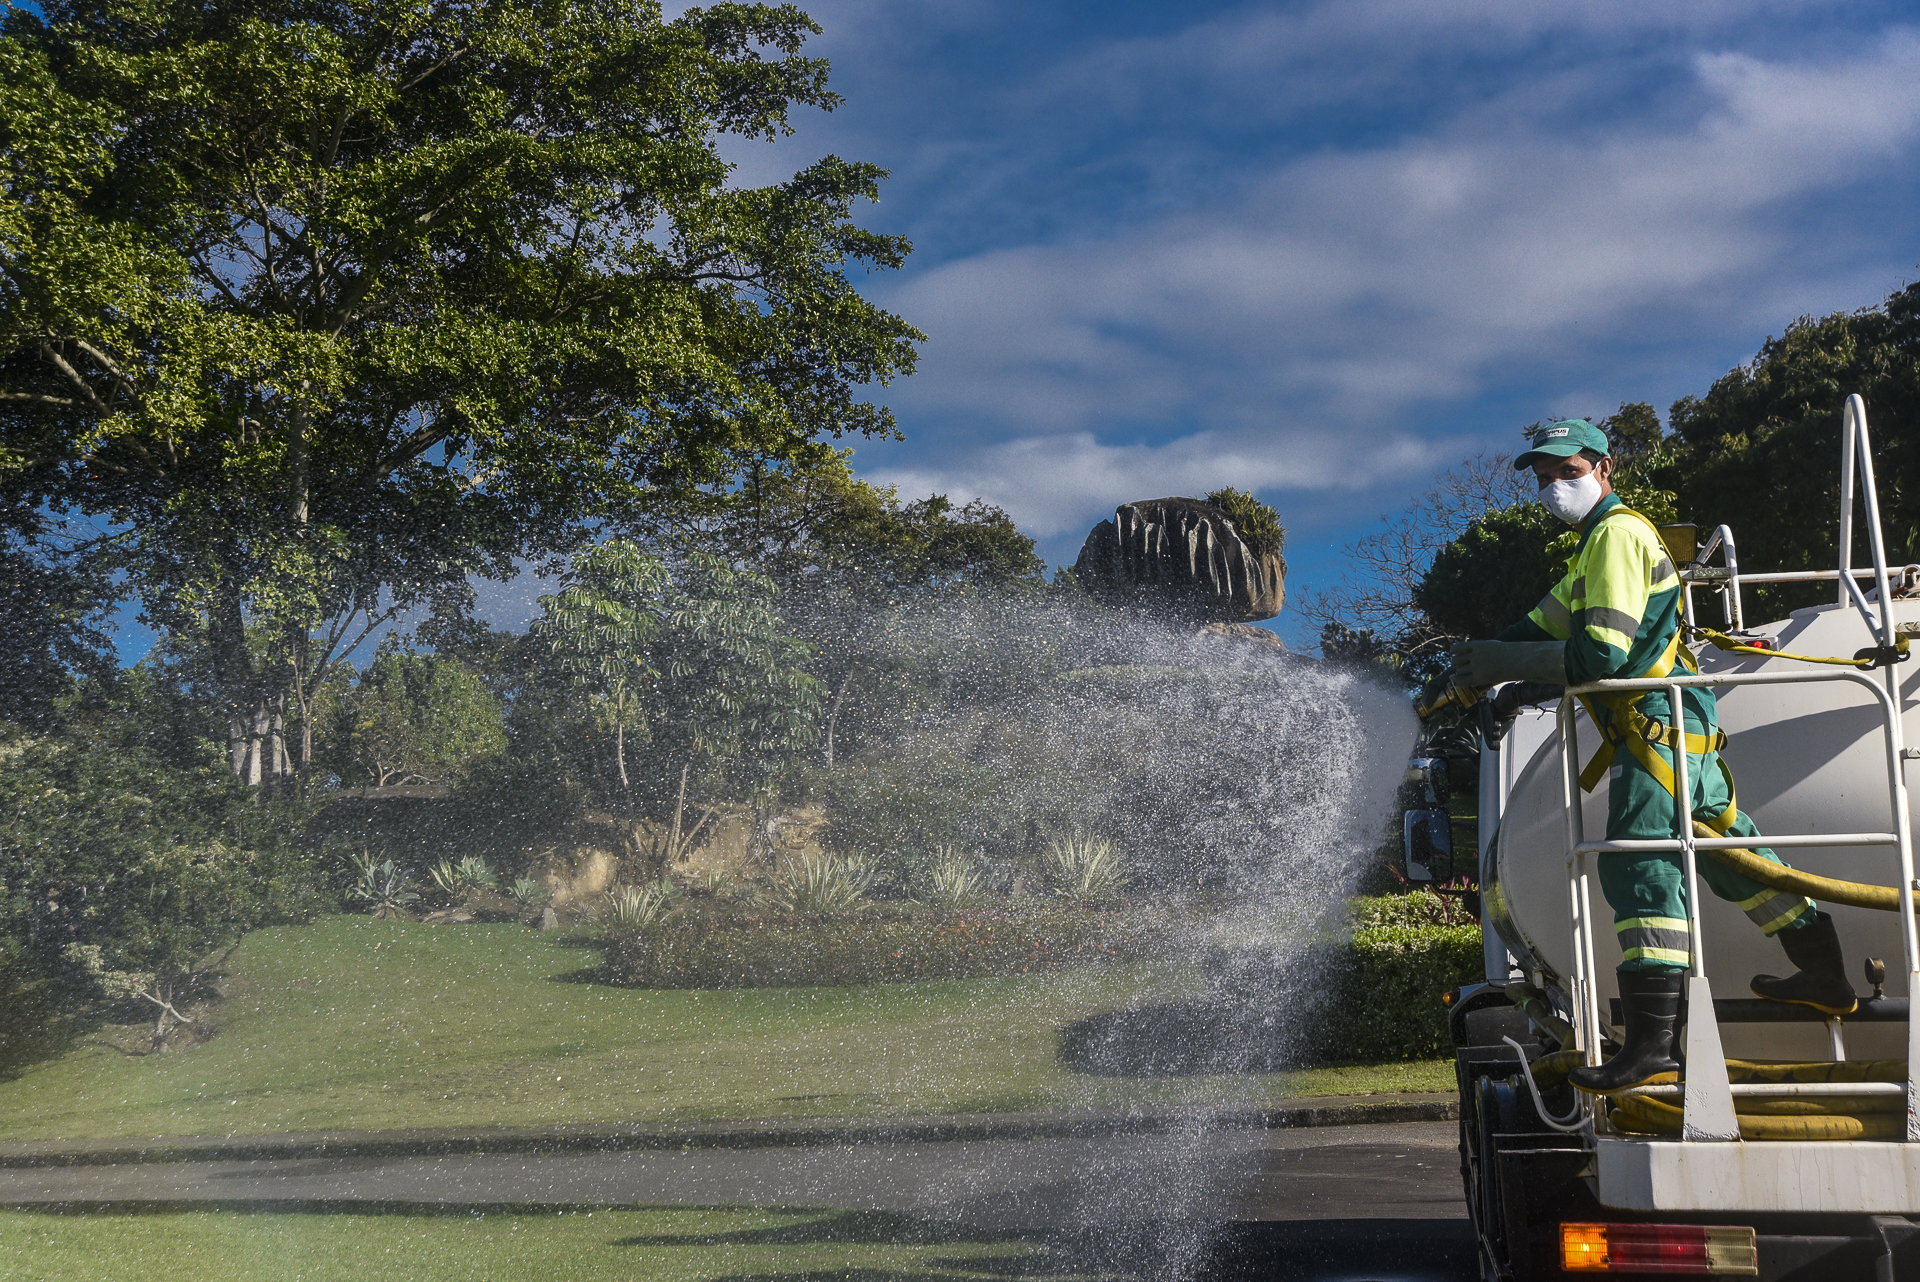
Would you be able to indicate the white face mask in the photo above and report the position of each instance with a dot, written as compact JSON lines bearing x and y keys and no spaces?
{"x":1572,"y":500}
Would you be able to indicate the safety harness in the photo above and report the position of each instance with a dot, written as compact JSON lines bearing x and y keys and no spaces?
{"x":1626,"y":726}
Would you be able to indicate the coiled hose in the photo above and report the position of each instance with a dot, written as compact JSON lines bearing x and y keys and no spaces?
{"x":1824,"y":1117}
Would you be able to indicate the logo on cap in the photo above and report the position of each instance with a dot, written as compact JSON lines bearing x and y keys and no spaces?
{"x":1547,"y":434}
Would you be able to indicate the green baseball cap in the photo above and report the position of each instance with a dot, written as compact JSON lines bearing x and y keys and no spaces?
{"x":1559,"y":439}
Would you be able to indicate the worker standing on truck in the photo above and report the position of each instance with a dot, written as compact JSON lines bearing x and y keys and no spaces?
{"x":1616,"y":614}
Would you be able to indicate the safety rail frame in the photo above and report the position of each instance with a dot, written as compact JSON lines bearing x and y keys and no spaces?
{"x":1706,"y":1093}
{"x":1708,"y":1108}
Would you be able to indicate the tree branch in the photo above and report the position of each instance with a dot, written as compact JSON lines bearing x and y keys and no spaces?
{"x":73,"y":376}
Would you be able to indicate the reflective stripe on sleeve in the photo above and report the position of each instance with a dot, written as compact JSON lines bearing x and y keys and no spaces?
{"x":1616,"y":621}
{"x":1553,"y":615}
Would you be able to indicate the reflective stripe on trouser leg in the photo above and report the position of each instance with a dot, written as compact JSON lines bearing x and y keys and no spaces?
{"x":1647,"y":892}
{"x":1651,"y":941}
{"x":1771,"y":910}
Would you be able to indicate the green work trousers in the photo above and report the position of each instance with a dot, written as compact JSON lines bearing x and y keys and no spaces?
{"x":1648,"y":891}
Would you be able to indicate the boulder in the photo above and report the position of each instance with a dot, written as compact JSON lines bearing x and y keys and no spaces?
{"x":1243,"y":634}
{"x":1182,"y":557}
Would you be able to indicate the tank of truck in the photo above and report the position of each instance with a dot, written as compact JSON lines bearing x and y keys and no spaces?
{"x":1806,"y":759}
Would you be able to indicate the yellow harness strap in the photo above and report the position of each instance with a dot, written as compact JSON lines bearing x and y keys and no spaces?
{"x":1640,"y":729}
{"x":1733,"y":645}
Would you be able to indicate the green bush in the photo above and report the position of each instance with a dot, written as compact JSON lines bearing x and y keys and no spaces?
{"x":111,"y":845}
{"x":1392,"y":980}
{"x":723,"y":950}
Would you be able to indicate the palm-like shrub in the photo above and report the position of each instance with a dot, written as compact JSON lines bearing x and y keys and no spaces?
{"x":457,"y":880}
{"x":952,"y":880}
{"x":1086,"y":867}
{"x":820,"y":884}
{"x":631,"y":907}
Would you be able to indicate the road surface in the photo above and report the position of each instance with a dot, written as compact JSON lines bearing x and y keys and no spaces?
{"x":1327,"y":1204}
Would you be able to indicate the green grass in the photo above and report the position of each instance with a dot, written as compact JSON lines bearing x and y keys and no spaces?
{"x":651,"y":1245}
{"x":352,"y":1023}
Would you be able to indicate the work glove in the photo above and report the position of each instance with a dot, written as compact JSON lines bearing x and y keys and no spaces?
{"x":1485,"y":663}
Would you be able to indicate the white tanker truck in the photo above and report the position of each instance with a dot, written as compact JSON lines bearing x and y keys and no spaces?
{"x":1791,"y":1147}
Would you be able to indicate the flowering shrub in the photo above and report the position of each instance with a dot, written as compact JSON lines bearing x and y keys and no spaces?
{"x":760,"y":950}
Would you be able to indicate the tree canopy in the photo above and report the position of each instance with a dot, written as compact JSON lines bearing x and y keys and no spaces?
{"x":1760,"y":451}
{"x":694,"y":656}
{"x":326,"y":307}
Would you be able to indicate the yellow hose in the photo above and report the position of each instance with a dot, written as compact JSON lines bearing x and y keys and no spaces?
{"x":1643,"y":1116}
{"x":1813,"y":886}
{"x":1824,"y":1117}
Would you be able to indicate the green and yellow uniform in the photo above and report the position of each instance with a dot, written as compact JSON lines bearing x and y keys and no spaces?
{"x":1618,"y":610}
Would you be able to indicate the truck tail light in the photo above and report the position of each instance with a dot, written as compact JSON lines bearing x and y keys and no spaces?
{"x":1677,"y":1249}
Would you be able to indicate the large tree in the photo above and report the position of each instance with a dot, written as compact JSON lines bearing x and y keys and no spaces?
{"x":1760,"y":451}
{"x":328,"y":305}
{"x":860,"y":569}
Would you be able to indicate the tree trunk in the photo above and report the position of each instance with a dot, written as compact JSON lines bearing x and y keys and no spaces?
{"x":620,"y":738}
{"x":833,"y":713}
{"x":679,"y":806}
{"x":302,"y":655}
{"x":257,"y":743}
{"x":256,"y":711}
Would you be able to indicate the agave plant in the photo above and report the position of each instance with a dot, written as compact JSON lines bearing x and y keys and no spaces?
{"x":447,"y":877}
{"x":821,"y":884}
{"x":1085,"y":867}
{"x":383,"y":885}
{"x":473,"y":872}
{"x":952,"y":879}
{"x":526,"y":891}
{"x":630,"y":907}
{"x":456,"y":880}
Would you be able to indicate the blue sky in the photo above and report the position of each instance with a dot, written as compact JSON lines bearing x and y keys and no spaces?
{"x":1321,"y":250}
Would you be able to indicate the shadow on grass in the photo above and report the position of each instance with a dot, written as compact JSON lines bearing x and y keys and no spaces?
{"x":1179,"y":1039}
{"x":1334,"y":1250}
{"x":36,"y":1025}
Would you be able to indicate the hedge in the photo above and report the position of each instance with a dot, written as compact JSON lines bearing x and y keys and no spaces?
{"x":1390,"y":1003}
{"x":1381,"y":1000}
{"x":761,"y":950}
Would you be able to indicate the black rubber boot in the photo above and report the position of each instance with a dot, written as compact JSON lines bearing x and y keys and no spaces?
{"x":1650,"y":1007}
{"x":1821,"y":981}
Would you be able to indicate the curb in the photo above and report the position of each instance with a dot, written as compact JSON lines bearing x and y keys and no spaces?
{"x":19,"y":1154}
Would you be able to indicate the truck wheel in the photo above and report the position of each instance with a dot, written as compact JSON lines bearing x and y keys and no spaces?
{"x":1479,"y":1116}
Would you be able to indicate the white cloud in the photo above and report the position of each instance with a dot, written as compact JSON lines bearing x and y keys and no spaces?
{"x":1348,"y":288}
{"x":1049,"y":484}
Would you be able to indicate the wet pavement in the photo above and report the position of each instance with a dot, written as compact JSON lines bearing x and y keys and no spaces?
{"x":1330,"y":1204}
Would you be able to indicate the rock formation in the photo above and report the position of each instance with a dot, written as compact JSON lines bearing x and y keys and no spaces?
{"x":1182,"y":557}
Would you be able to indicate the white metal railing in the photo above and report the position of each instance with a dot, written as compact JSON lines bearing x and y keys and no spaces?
{"x":1706,"y":1093}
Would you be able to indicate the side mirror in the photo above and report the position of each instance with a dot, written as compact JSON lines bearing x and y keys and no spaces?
{"x":1428,"y":835}
{"x":1428,"y":775}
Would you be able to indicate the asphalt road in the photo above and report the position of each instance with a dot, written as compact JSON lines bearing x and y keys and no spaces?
{"x":1328,"y":1204}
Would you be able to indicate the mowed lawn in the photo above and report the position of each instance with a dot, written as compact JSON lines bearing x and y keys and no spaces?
{"x":353,"y":1023}
{"x":697,"y":1244}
